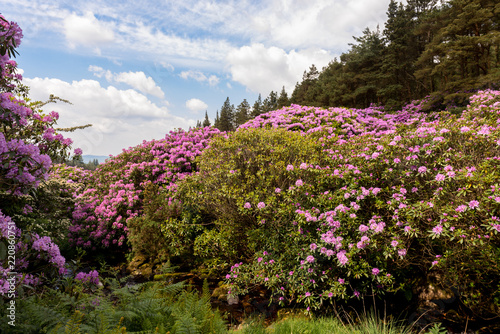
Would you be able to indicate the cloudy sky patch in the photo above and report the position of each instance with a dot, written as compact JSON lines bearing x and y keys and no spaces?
{"x":138,"y":69}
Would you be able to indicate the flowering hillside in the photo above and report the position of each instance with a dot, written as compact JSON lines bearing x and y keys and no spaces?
{"x":341,"y":121}
{"x":315,"y":205}
{"x":112,"y":194}
{"x":343,"y":213}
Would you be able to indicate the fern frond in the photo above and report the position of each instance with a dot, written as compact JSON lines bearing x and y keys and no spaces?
{"x":185,"y":325}
{"x":74,"y":323}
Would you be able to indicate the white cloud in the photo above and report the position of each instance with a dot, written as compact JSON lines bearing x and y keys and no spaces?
{"x":100,"y":72}
{"x":316,"y":24}
{"x":212,"y":80}
{"x":199,"y":32}
{"x":87,"y":30}
{"x":196,"y":105}
{"x":120,"y":118}
{"x":263,"y":69}
{"x":137,"y":80}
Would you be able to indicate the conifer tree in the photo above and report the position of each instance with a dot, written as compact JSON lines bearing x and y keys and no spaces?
{"x":307,"y":91}
{"x":362,"y":69}
{"x":226,"y":120}
{"x":270,"y":102}
{"x":242,"y":113}
{"x":464,"y":53}
{"x":217,"y":120}
{"x":283,"y":99}
{"x":257,"y":107}
{"x":206,"y":121}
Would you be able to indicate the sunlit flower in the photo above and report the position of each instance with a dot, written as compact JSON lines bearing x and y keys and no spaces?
{"x":473,"y":204}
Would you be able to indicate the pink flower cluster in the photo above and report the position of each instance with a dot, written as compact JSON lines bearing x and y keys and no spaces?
{"x":112,"y":194}
{"x":88,"y":278}
{"x":384,"y":186}
{"x":46,"y":250}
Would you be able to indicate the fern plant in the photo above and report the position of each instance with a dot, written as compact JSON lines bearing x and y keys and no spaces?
{"x":153,"y":307}
{"x":437,"y":329}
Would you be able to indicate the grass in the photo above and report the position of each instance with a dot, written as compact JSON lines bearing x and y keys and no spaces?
{"x":366,"y":324}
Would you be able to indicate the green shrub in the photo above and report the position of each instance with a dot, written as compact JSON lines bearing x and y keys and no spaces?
{"x":244,"y":167}
{"x":358,"y":214}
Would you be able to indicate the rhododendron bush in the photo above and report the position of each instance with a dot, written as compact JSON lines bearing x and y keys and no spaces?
{"x":28,"y":143}
{"x":320,"y":214}
{"x":112,"y":195}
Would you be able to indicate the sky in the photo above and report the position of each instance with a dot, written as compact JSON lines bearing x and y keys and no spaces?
{"x":138,"y":69}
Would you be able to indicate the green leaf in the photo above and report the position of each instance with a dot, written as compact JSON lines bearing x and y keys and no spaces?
{"x":3,"y":250}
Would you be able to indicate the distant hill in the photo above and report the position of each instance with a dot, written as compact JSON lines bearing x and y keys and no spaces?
{"x":100,"y":158}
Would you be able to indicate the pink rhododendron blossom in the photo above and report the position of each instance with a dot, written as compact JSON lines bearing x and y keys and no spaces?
{"x":92,"y":277}
{"x":440,"y":177}
{"x":473,"y":204}
{"x":437,"y":229}
{"x":363,"y":228}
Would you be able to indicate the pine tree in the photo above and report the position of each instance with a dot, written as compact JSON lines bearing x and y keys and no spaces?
{"x":217,"y":120}
{"x":283,"y":100}
{"x":397,"y":65}
{"x":307,"y":91}
{"x":206,"y":121}
{"x":242,"y":113}
{"x":270,"y":102}
{"x":226,"y":120}
{"x":257,"y":107}
{"x":464,"y":52}
{"x":362,"y":72}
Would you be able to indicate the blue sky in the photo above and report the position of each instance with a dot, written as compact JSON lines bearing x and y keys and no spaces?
{"x":138,"y":69}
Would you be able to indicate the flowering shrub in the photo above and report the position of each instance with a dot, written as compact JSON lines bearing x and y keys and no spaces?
{"x":31,"y":254}
{"x":237,"y":194}
{"x":333,"y":122}
{"x":112,"y":195}
{"x":88,"y":278}
{"x":365,"y":212}
{"x":28,"y":143}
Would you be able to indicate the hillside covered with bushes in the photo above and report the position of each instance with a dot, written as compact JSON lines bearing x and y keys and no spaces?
{"x":317,"y":207}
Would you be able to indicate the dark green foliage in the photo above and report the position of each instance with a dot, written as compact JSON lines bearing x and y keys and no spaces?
{"x":226,"y":118}
{"x":464,"y":52}
{"x":143,"y":308}
{"x":145,"y":231}
{"x":270,"y":102}
{"x":257,"y":159}
{"x":257,"y":107}
{"x":306,"y":93}
{"x":242,"y":113}
{"x":283,"y":100}
{"x":445,"y":50}
{"x":206,"y":121}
